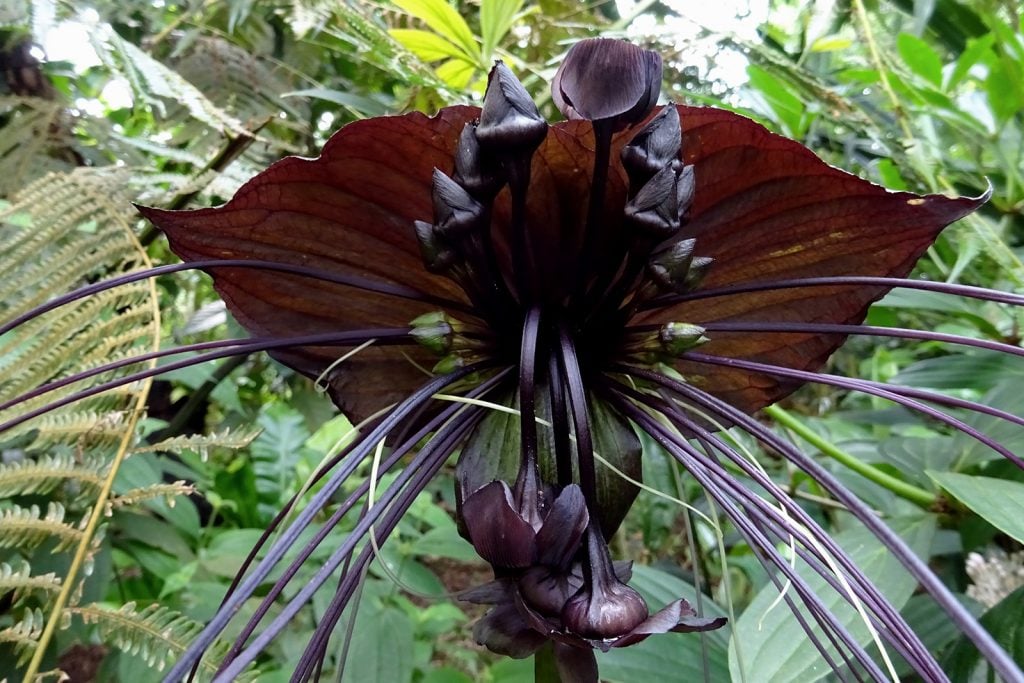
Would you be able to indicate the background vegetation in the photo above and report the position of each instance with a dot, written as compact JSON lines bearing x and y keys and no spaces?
{"x":125,"y":517}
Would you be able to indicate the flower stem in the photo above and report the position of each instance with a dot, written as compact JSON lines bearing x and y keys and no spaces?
{"x":544,"y":668}
{"x":914,"y":494}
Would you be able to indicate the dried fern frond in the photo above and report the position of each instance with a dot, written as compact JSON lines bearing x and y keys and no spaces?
{"x":157,"y":634}
{"x":233,"y":439}
{"x":30,"y":133}
{"x":71,"y":229}
{"x":22,"y":582}
{"x":166,"y":491}
{"x":42,"y":475}
{"x":27,"y":528}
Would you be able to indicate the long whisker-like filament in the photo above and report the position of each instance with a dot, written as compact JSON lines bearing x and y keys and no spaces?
{"x":968,"y":625}
{"x":840,"y":280}
{"x":890,"y":393}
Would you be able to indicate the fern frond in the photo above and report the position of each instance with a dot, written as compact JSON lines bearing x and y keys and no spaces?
{"x":43,"y":475}
{"x":25,"y":634}
{"x":157,"y":634}
{"x":233,"y":439}
{"x":154,"y":82}
{"x":166,"y":491}
{"x":22,"y":582}
{"x":28,"y":133}
{"x":27,"y":528}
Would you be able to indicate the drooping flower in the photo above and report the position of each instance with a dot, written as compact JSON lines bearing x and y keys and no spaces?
{"x":605,"y":274}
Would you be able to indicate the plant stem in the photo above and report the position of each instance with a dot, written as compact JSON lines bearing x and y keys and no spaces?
{"x":914,"y":494}
{"x":544,"y":668}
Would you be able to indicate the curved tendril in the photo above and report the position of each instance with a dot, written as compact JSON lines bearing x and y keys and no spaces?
{"x":290,"y":535}
{"x":692,"y":460}
{"x":964,"y":620}
{"x":346,"y":586}
{"x":866,"y":330}
{"x":820,"y":538}
{"x":391,"y":289}
{"x":840,"y":280}
{"x":262,"y":344}
{"x":891,"y":393}
{"x":417,"y":474}
{"x":398,"y":452}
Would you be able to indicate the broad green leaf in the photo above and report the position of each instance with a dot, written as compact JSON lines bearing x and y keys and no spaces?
{"x":999,"y":501}
{"x":771,"y":640}
{"x":920,"y":58}
{"x":668,"y":657}
{"x":456,"y":72}
{"x":381,"y":648}
{"x":444,"y":542}
{"x":496,"y":18}
{"x":787,"y":106}
{"x":978,"y":371}
{"x":977,"y":49}
{"x":964,"y":662}
{"x":444,"y":19}
{"x":430,"y":47}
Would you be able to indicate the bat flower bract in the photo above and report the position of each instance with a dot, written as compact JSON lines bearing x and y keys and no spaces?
{"x":636,"y":268}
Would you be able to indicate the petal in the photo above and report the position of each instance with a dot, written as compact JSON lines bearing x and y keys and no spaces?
{"x":490,"y":593}
{"x":559,"y":537}
{"x":677,"y":616}
{"x":496,"y":530}
{"x":765,"y":208}
{"x":502,"y":630}
{"x":348,"y":212}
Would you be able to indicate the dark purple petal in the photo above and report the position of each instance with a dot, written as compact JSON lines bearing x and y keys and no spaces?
{"x":603,"y":79}
{"x":559,"y":537}
{"x":503,"y":630}
{"x":497,"y":531}
{"x":489,"y":593}
{"x":677,"y":616}
{"x":546,"y":590}
{"x":351,"y":212}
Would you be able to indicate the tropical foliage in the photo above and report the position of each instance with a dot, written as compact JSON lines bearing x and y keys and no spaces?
{"x":126,"y":514}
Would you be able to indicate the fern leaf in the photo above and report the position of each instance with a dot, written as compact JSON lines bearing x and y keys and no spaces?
{"x":25,"y":634}
{"x":157,"y":634}
{"x":166,"y":491}
{"x":43,"y":475}
{"x":22,"y":582}
{"x":27,"y":528}
{"x":202,"y":443}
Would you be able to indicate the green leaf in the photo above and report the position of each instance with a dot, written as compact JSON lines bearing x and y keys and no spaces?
{"x":787,"y":107}
{"x":430,"y":47}
{"x":771,"y":640}
{"x":496,"y":18}
{"x":920,"y":58}
{"x":977,"y":49}
{"x":361,"y":105}
{"x":964,"y":662}
{"x":444,"y":19}
{"x":999,"y":501}
{"x":456,"y":72}
{"x":444,"y":542}
{"x":381,"y":648}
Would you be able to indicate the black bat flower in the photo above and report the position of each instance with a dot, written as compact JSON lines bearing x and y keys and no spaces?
{"x":634,"y":268}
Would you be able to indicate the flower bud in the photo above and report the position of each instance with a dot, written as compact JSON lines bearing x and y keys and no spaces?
{"x":654,"y":209}
{"x":654,"y":147}
{"x":509,"y":119}
{"x":473,"y":170}
{"x":433,"y":331}
{"x":607,"y":610}
{"x":607,"y":80}
{"x":438,"y":257}
{"x":455,"y":210}
{"x":678,"y":338}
